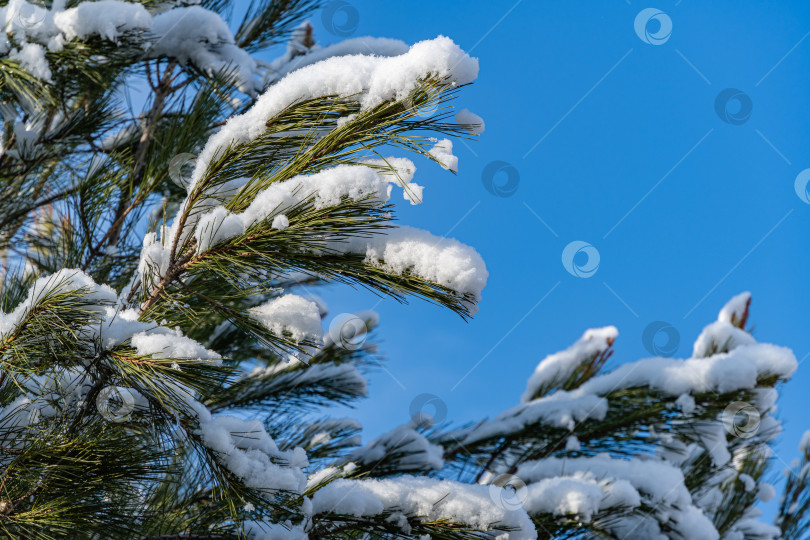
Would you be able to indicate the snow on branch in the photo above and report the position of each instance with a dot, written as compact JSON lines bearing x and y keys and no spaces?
{"x":371,"y":80}
{"x":558,"y":368}
{"x":186,"y":34}
{"x":428,"y":499}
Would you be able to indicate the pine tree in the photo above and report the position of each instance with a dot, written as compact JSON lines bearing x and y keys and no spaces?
{"x":165,"y":375}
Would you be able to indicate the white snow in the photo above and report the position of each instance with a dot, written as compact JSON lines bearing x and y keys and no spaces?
{"x":414,"y":452}
{"x":561,"y":409}
{"x":473,"y":122}
{"x":748,"y":483}
{"x":325,"y":188}
{"x":657,"y":480}
{"x":198,"y":35}
{"x":371,"y":80}
{"x":441,"y":260}
{"x":657,"y":483}
{"x":443,"y":152}
{"x":399,"y":171}
{"x":294,"y":58}
{"x":217,"y":226}
{"x":725,"y":372}
{"x":187,"y":34}
{"x":106,"y":18}
{"x":580,"y":494}
{"x":164,"y":343}
{"x":765,"y":492}
{"x":804,"y":444}
{"x":720,"y":336}
{"x":61,"y":282}
{"x":32,"y":57}
{"x":247,"y":450}
{"x":280,"y":222}
{"x":557,"y":368}
{"x":290,"y":314}
{"x":274,"y":531}
{"x":686,"y":403}
{"x":734,"y":309}
{"x":428,"y":498}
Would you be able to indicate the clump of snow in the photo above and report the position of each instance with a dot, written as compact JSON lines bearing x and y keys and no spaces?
{"x":414,"y":452}
{"x":105,"y":18}
{"x":60,"y":282}
{"x":572,"y":444}
{"x":247,"y":450}
{"x":441,"y":260}
{"x":657,"y":480}
{"x":735,"y":309}
{"x":217,"y":226}
{"x":686,"y":403}
{"x":280,"y":222}
{"x":765,"y":492}
{"x":720,"y":336}
{"x":561,"y":409}
{"x":443,"y":152}
{"x":557,"y":368}
{"x":154,"y":259}
{"x":163,"y":343}
{"x":290,"y":314}
{"x":624,"y":481}
{"x":399,"y":171}
{"x":748,"y":483}
{"x":428,"y":498}
{"x":580,"y":495}
{"x":198,"y":35}
{"x":471,"y":121}
{"x":32,"y":57}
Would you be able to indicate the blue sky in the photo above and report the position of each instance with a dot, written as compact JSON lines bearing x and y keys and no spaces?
{"x":616,"y":143}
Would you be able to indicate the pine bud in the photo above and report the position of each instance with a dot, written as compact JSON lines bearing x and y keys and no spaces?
{"x":6,"y":508}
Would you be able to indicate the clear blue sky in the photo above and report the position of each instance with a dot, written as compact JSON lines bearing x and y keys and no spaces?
{"x":617,"y":143}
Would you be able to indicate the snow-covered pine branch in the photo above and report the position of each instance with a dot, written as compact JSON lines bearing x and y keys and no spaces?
{"x":166,"y":371}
